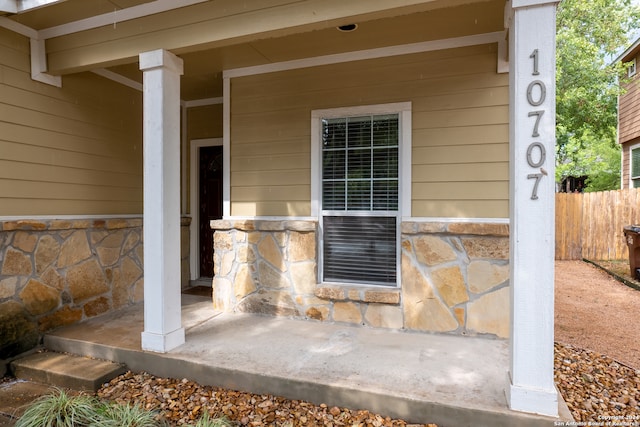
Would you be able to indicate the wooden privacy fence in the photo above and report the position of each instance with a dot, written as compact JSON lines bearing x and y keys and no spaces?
{"x":591,"y":225}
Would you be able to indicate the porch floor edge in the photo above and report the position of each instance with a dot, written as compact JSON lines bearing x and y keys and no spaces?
{"x":421,"y":378}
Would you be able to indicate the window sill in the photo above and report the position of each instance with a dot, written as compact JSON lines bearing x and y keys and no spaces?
{"x":367,"y":294}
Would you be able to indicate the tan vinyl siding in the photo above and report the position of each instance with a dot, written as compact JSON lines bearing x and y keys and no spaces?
{"x":75,"y":150}
{"x":460,"y":130}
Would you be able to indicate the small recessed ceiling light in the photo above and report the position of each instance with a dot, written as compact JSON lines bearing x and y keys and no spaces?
{"x":348,"y":28}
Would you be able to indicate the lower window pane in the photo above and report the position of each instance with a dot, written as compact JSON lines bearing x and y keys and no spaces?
{"x":360,"y":249}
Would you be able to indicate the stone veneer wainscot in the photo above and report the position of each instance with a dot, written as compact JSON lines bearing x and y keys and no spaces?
{"x":454,"y":277}
{"x":58,"y":272}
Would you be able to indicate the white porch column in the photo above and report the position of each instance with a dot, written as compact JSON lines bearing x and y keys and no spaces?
{"x":532,"y":205}
{"x":162,"y":312}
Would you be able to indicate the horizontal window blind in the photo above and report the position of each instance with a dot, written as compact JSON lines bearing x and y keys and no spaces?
{"x":360,"y":174}
{"x":360,"y":249}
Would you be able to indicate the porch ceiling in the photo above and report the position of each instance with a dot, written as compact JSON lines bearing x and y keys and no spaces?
{"x":252,"y":42}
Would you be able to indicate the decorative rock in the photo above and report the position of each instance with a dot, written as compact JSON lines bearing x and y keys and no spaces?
{"x":483,"y":276}
{"x":302,"y":247}
{"x":137,"y":291}
{"x":133,"y":238}
{"x":486,"y":247}
{"x":384,"y":316}
{"x":53,"y":279}
{"x":387,"y":296}
{"x":348,"y":312}
{"x":38,"y":298}
{"x":16,"y":263}
{"x":270,"y":277}
{"x":243,"y":284}
{"x":18,"y":332}
{"x":222,"y":294}
{"x":480,"y":229}
{"x":108,"y":249}
{"x":62,"y":317}
{"x":269,"y":250}
{"x":490,"y":314}
{"x":431,"y":250}
{"x":318,"y":313}
{"x":74,"y":249}
{"x":8,"y":287}
{"x":225,"y":265}
{"x":303,"y":276}
{"x":450,"y":285}
{"x":46,"y":252}
{"x":86,"y":280}
{"x":273,"y":303}
{"x":330,"y":292}
{"x":222,"y":241}
{"x":24,"y":241}
{"x":97,"y":306}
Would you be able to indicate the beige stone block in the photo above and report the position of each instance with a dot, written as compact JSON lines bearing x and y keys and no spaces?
{"x":254,"y":237}
{"x":348,"y":312}
{"x":74,"y":249}
{"x":310,"y":300}
{"x":51,"y":278}
{"x":46,"y":252}
{"x":270,"y":277}
{"x":243,"y":284}
{"x":269,"y":250}
{"x":97,"y":306}
{"x":280,"y":238}
{"x":226,"y":263}
{"x":116,"y":223}
{"x":429,"y":315}
{"x":484,"y":275}
{"x":241,"y":236}
{"x":222,"y":241}
{"x":130,"y":271}
{"x":137,"y":291}
{"x":24,"y":241}
{"x":450,"y":285}
{"x":409,"y":227}
{"x":39,"y":298}
{"x":110,"y":247}
{"x":459,"y":312}
{"x":354,"y":294}
{"x":244,"y":254}
{"x":490,"y":314}
{"x":270,"y":302}
{"x":140,"y":254}
{"x":432,"y":250}
{"x":63,"y":317}
{"x":330,"y":292}
{"x":480,"y":229}
{"x":486,"y":247}
{"x":86,"y":281}
{"x":318,"y":313}
{"x":406,"y":245}
{"x":8,"y":287}
{"x":24,"y":225}
{"x":132,"y":240}
{"x":97,"y":236}
{"x":384,"y":316}
{"x":422,"y":309}
{"x":382,"y":296}
{"x":16,"y":263}
{"x":304,"y":277}
{"x":222,"y":294}
{"x":302,"y":246}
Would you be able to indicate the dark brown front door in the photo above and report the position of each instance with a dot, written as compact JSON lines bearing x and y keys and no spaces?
{"x":210,"y":203}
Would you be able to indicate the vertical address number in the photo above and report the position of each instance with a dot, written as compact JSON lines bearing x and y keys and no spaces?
{"x":536,"y":153}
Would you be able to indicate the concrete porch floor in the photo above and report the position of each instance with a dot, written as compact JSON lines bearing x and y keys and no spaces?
{"x":422,"y":378}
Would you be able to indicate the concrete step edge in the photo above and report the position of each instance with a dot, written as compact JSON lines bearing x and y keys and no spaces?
{"x":66,"y":370}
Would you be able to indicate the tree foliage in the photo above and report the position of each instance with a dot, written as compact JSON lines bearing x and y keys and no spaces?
{"x":589,"y":35}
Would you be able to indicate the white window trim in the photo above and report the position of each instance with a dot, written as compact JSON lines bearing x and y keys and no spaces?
{"x":403,"y":109}
{"x":631,"y":148}
{"x":631,"y":71}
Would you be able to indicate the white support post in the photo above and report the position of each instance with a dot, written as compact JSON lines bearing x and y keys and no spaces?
{"x":532,"y":205}
{"x":163,"y":329}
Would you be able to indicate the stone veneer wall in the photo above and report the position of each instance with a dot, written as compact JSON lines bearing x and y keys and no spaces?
{"x":58,"y":272}
{"x":454,"y":277}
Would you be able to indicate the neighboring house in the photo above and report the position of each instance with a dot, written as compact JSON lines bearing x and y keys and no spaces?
{"x":629,"y":119}
{"x":381,"y":163}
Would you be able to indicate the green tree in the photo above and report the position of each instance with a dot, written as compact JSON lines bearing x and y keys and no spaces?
{"x":589,"y":35}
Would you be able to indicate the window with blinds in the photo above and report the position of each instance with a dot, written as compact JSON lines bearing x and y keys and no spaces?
{"x":360,"y":199}
{"x":635,"y":167}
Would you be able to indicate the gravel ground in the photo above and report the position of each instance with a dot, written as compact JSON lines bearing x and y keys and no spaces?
{"x":182,"y":402}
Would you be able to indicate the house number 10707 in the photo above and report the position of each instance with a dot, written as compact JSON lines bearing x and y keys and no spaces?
{"x":536,"y":153}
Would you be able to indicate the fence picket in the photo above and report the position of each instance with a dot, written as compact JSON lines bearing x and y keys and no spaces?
{"x":590,"y":225}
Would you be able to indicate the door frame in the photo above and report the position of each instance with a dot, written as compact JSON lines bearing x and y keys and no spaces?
{"x":194,"y":200}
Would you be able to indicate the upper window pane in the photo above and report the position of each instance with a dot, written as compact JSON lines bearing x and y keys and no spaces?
{"x":360,"y":157}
